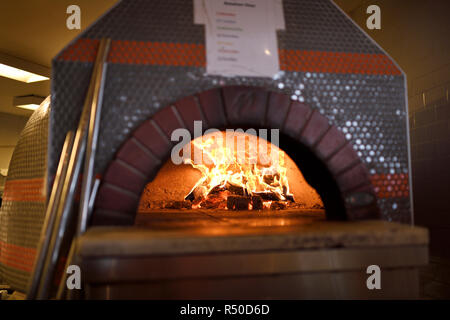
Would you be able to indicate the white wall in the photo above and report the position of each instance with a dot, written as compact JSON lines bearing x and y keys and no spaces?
{"x":10,"y":128}
{"x":416,"y":34}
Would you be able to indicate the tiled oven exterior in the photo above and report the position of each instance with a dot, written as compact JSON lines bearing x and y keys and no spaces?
{"x":350,"y":195}
{"x":331,"y":72}
{"x":157,"y":58}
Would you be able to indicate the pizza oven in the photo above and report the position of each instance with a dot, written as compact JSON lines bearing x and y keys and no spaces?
{"x":335,"y":114}
{"x":338,"y":102}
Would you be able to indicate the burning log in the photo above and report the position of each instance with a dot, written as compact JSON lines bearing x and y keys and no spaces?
{"x":200,"y":192}
{"x":211,"y":204}
{"x":237,"y":183}
{"x":238,"y":202}
{"x":289,"y":197}
{"x":268,"y":196}
{"x":257,"y":203}
{"x":272,"y":196}
{"x":234,"y":189}
{"x":277,"y":205}
{"x":234,"y":197}
{"x":197,"y":193}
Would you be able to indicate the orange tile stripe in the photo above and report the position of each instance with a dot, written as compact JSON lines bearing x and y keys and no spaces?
{"x":139,"y":52}
{"x":24,"y":190}
{"x":336,"y":62}
{"x":191,"y":54}
{"x":158,"y":53}
{"x":391,"y":185}
{"x":18,"y":257}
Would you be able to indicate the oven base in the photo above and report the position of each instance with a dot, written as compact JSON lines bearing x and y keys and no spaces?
{"x":337,"y":283}
{"x":316,"y":260}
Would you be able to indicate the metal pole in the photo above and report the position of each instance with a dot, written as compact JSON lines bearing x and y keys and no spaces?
{"x":93,"y":195}
{"x":50,"y":215}
{"x":70,"y":260}
{"x":64,"y":208}
{"x":94,"y":124}
{"x":88,"y":190}
{"x":88,"y":172}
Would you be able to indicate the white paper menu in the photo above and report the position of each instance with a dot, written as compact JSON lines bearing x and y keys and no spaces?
{"x":240,"y":36}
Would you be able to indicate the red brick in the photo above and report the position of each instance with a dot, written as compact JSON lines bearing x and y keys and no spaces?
{"x":245,"y":105}
{"x":277,"y":110}
{"x":342,"y":159}
{"x":296,"y":118}
{"x":168,"y":120}
{"x":125,"y":176}
{"x":212,"y":106}
{"x":110,"y":197}
{"x":354,"y":177}
{"x":153,"y":139}
{"x":138,"y":156}
{"x":315,"y":129}
{"x":190,"y":112}
{"x":330,"y":143}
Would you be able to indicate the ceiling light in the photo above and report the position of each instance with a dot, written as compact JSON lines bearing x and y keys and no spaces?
{"x":22,"y":70}
{"x":20,"y":75}
{"x":30,"y":102}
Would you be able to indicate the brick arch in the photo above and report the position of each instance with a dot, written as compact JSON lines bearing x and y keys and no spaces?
{"x":141,"y":156}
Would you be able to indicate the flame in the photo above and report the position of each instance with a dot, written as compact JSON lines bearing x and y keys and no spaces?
{"x":238,"y":160}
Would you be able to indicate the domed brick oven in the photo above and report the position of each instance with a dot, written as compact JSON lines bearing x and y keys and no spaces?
{"x":306,"y":223}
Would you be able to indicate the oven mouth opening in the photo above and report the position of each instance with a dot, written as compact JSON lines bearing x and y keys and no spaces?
{"x":288,"y":181}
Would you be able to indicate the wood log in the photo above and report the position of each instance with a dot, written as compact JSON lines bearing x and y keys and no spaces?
{"x":238,"y":202}
{"x":190,"y":196}
{"x":214,"y":204}
{"x":197,"y":193}
{"x":277,"y":205}
{"x":235,"y":189}
{"x":257,"y":203}
{"x":200,"y":191}
{"x":289,"y":197}
{"x":268,"y":196}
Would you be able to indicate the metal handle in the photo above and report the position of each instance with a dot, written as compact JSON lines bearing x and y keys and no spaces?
{"x":50,"y":215}
{"x":64,"y":208}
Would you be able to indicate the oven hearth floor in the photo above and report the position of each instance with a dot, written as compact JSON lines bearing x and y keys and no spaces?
{"x":167,"y":219}
{"x":182,"y":232}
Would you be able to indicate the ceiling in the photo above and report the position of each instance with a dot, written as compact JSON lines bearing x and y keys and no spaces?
{"x":35,"y":30}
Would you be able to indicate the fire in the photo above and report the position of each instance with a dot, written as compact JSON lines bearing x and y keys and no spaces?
{"x":241,"y":166}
